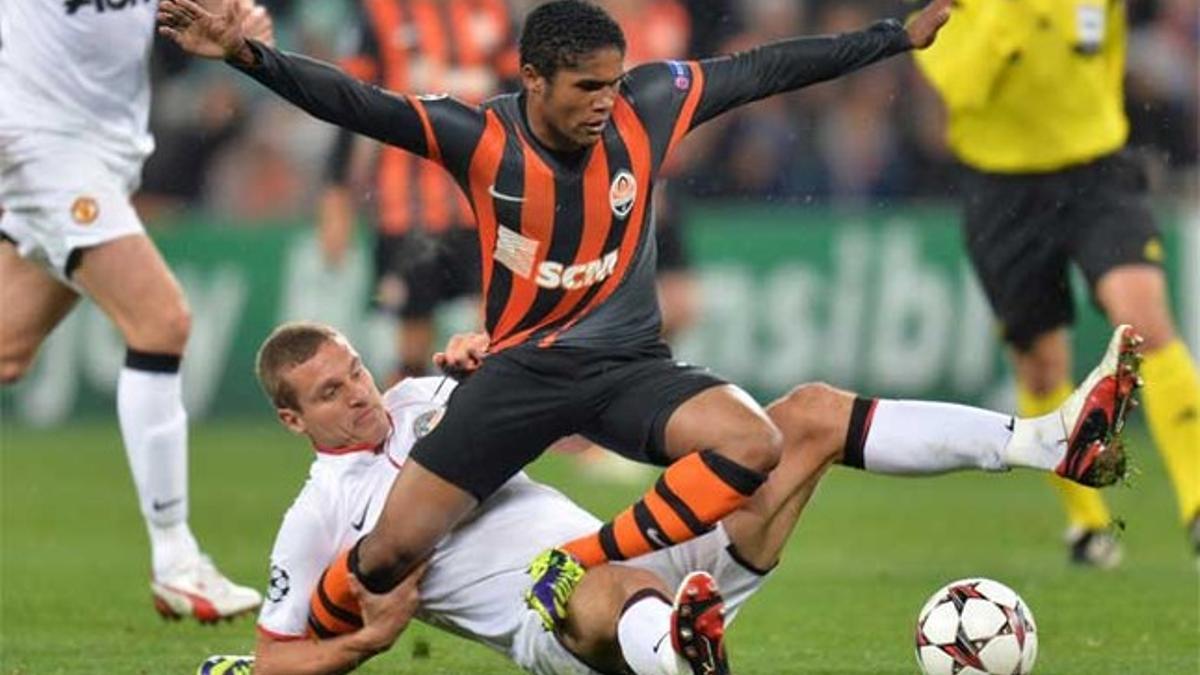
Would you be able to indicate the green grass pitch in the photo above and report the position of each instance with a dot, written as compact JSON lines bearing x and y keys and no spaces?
{"x":74,"y":564}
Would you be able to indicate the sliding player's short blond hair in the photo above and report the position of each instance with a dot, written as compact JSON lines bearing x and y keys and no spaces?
{"x":288,"y":346}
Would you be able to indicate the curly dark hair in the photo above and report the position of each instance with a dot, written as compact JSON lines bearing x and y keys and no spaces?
{"x":560,"y":33}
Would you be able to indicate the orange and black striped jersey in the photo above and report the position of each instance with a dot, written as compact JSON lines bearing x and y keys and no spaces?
{"x":567,"y":256}
{"x":465,"y":47}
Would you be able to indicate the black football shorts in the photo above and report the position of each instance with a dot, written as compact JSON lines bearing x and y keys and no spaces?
{"x":522,"y":400}
{"x":1023,"y":231}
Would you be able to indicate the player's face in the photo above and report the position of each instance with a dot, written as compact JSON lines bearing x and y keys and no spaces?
{"x":576,"y":104}
{"x":339,"y":404}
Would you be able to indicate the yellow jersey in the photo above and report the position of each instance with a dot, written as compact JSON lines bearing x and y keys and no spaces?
{"x":1031,"y":85}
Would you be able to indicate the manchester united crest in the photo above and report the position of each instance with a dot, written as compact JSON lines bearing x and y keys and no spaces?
{"x":84,"y":210}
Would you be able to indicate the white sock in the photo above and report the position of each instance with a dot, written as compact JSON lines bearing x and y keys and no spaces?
{"x":154,"y":427}
{"x":1037,"y":442}
{"x":644,"y":633}
{"x":922,"y":438}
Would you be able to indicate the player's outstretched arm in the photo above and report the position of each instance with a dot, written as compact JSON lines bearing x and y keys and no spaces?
{"x":742,"y":78}
{"x":384,"y":618}
{"x":320,"y":89}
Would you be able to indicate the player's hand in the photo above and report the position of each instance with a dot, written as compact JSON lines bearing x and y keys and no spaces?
{"x":463,"y":355}
{"x":386,"y":616}
{"x":923,"y":26}
{"x":216,"y":34}
{"x":256,"y":23}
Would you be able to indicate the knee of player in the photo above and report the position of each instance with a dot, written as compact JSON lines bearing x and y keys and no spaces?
{"x":162,"y":329}
{"x":812,"y":412}
{"x":598,"y":603}
{"x":13,"y":368}
{"x":762,"y":447}
{"x":176,"y":325}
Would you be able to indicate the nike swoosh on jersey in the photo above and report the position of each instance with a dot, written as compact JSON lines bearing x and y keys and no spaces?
{"x":362,"y":518}
{"x":503,"y":197}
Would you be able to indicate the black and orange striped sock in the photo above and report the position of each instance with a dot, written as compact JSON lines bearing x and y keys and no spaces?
{"x":333,"y":610}
{"x":687,"y":501}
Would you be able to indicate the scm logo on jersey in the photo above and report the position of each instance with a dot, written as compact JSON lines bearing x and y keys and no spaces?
{"x":555,"y":275}
{"x":622,"y":193}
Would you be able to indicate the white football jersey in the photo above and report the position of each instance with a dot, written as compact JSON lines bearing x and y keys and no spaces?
{"x":78,"y":67}
{"x":476,"y":578}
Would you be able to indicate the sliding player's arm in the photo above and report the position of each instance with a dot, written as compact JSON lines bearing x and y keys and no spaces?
{"x":343,"y":653}
{"x":310,"y":657}
{"x":304,"y":546}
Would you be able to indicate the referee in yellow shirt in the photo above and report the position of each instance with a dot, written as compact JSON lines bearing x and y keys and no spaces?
{"x":1033,"y":89}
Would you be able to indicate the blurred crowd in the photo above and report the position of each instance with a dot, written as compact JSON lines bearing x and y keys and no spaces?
{"x":230,"y":149}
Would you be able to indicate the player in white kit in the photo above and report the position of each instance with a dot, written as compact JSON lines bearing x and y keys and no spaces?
{"x":477,"y":575}
{"x":620,"y":616}
{"x":74,"y":101}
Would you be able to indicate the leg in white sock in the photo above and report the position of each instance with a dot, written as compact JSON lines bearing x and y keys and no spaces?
{"x":922,"y":438}
{"x":644,"y":633}
{"x":154,"y":428}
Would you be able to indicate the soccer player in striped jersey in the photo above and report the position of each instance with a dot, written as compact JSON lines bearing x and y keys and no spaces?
{"x":622,"y":617}
{"x":559,"y":176}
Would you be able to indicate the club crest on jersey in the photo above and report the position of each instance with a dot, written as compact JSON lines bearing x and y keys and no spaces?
{"x":622,"y":193}
{"x":427,"y":420}
{"x":85,"y":210}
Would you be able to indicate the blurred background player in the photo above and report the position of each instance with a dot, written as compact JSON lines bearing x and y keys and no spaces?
{"x":1036,"y":116}
{"x":73,"y":136}
{"x":426,"y":247}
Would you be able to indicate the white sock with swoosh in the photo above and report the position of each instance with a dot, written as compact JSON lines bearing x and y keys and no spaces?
{"x":154,"y":428}
{"x":644,"y":633}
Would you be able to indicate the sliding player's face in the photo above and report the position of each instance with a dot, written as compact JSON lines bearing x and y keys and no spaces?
{"x":339,"y":404}
{"x":578,"y":102}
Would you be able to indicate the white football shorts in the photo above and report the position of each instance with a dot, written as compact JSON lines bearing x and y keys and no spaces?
{"x":59,"y":195}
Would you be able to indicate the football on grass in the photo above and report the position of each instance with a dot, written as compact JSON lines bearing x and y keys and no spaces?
{"x":976,"y":627}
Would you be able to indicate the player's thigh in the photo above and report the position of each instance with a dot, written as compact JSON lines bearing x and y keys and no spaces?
{"x":1137,"y":295}
{"x":1045,"y":364}
{"x":130,"y":281}
{"x":642,"y":396}
{"x":1015,"y":244}
{"x":32,"y":302}
{"x":726,"y":419}
{"x":1117,"y":244}
{"x":498,"y":420}
{"x":460,"y":249}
